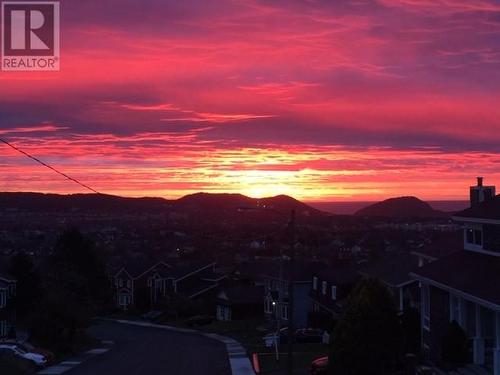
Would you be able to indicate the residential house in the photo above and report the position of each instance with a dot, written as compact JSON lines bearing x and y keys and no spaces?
{"x":465,"y":286}
{"x":393,"y":271}
{"x":329,"y":291}
{"x":276,"y":292}
{"x":239,"y":302}
{"x":7,"y":293}
{"x":144,"y":285}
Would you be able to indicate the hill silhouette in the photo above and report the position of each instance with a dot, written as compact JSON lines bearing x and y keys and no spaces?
{"x":193,"y":203}
{"x":400,"y":207}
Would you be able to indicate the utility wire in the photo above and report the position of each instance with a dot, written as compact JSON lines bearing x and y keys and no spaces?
{"x":48,"y":166}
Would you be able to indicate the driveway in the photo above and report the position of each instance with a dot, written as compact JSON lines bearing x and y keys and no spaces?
{"x":149,"y":351}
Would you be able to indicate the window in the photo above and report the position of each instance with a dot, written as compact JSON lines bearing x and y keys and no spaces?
{"x":323,"y":287}
{"x":315,"y":283}
{"x":124,"y":300}
{"x":469,"y":235}
{"x":219,"y":313}
{"x":3,"y":328}
{"x":129,"y":284}
{"x":426,"y":308}
{"x":284,"y":312}
{"x":120,"y":283}
{"x":267,"y":306}
{"x":273,"y":284}
{"x":478,"y":237}
{"x":455,"y":309}
{"x":3,"y":298}
{"x":474,"y":235}
{"x":334,"y":292}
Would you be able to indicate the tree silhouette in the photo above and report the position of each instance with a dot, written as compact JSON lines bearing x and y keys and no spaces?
{"x":367,"y":338}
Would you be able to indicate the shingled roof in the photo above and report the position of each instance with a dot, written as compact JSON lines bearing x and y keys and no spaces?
{"x":489,"y":210}
{"x":473,"y":274}
{"x":393,"y":271}
{"x":442,"y":246}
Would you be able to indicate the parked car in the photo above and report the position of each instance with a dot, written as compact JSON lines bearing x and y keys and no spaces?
{"x":282,"y":338}
{"x":319,"y":366}
{"x":309,"y":335}
{"x":199,"y":320}
{"x":36,"y":358}
{"x":49,"y":356}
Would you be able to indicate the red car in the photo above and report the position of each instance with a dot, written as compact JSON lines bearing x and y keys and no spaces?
{"x":319,"y":366}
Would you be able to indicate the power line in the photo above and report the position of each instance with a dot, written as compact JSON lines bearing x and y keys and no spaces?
{"x":48,"y":166}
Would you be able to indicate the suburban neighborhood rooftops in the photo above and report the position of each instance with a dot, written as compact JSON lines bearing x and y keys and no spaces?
{"x":468,"y":272}
{"x":137,"y":268}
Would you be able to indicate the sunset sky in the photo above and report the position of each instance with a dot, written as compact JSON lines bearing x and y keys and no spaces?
{"x":318,"y":99}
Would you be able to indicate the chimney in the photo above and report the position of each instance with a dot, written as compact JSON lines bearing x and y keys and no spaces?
{"x":481,"y":193}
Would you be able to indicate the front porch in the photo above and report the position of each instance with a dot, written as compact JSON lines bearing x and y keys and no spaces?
{"x":479,"y":320}
{"x":482,"y":325}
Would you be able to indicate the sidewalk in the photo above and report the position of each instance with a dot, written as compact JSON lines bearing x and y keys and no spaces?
{"x":240,"y":364}
{"x":68,"y":364}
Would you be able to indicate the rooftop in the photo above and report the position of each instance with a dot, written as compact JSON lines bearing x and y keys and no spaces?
{"x":465,"y":271}
{"x":442,"y":246}
{"x":393,"y":270}
{"x":489,"y":209}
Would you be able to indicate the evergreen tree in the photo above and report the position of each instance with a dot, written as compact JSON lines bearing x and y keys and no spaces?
{"x":367,"y":338}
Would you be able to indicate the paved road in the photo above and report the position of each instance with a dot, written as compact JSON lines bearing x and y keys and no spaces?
{"x":150,"y":351}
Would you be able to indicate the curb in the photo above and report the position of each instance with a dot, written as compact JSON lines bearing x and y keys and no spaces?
{"x":71,"y":363}
{"x":240,"y":363}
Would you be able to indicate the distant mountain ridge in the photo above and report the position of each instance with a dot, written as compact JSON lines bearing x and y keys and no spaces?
{"x":198,"y":202}
{"x":401,"y":207}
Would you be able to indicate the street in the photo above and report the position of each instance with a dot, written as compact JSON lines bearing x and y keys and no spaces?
{"x":150,"y":351}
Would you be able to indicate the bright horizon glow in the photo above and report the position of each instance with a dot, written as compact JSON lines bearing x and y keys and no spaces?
{"x":322,"y":101}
